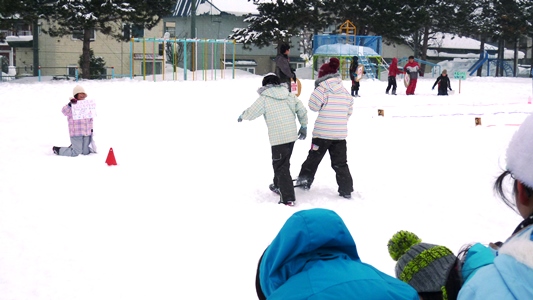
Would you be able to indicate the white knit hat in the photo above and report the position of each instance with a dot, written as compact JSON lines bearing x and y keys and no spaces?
{"x":77,"y":90}
{"x":520,"y":153}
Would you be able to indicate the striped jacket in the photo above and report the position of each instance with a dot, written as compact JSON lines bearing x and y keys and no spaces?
{"x":279,"y":108}
{"x":81,"y":127}
{"x":334,"y":106}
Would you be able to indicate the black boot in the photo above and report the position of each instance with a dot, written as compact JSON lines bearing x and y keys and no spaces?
{"x":353,"y":92}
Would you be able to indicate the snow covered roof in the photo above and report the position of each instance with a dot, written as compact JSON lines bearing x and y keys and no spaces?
{"x":15,"y":38}
{"x":183,"y":9}
{"x":508,"y":54}
{"x":344,"y":50}
{"x":451,"y":41}
{"x":444,"y":41}
{"x":240,"y":62}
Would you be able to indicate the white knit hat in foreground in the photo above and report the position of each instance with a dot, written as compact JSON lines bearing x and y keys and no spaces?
{"x":77,"y":90}
{"x":520,"y":153}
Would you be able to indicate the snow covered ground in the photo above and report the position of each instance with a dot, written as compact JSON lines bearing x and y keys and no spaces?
{"x":187,"y":212}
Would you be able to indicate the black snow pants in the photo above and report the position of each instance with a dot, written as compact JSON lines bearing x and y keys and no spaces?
{"x":339,"y":163}
{"x":281,"y":156}
{"x":392,"y":83}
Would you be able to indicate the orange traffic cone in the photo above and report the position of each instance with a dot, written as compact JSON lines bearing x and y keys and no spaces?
{"x":111,"y":161}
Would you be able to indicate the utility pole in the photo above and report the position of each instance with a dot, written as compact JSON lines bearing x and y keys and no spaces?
{"x":193,"y":19}
{"x":35,"y":33}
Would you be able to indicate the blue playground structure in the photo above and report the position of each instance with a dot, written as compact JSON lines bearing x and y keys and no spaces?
{"x":372,"y":42}
{"x":484,"y":58}
{"x":344,"y":46}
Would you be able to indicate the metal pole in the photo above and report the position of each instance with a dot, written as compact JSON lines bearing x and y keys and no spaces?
{"x":35,"y":32}
{"x":234,"y":50}
{"x":144,"y":59}
{"x":153,"y":59}
{"x":185,"y":60}
{"x":131,"y":58}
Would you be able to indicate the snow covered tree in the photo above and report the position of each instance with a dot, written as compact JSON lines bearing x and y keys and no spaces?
{"x":279,"y":20}
{"x":84,"y":17}
{"x":27,"y":10}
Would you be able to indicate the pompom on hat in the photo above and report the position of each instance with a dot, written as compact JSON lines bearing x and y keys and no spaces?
{"x":78,"y":90}
{"x":520,"y":153}
{"x":330,"y":67}
{"x":423,"y":266}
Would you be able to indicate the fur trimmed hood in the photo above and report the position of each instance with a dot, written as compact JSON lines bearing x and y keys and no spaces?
{"x":326,"y":77}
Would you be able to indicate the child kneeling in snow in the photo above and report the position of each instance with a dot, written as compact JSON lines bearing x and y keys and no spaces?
{"x":81,"y":130}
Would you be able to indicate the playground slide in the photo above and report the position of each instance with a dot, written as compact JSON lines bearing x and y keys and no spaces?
{"x":483,"y":58}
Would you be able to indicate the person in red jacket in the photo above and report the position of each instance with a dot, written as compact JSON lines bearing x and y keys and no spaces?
{"x":412,"y":68}
{"x":393,"y":71}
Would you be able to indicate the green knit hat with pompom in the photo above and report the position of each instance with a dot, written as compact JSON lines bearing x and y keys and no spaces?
{"x":423,"y":266}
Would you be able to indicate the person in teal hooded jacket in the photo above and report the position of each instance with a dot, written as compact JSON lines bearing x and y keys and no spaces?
{"x":314,"y":257}
{"x":505,"y":270}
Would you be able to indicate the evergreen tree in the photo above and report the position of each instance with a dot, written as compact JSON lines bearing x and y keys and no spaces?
{"x":87,"y":16}
{"x":279,"y":20}
{"x":27,"y":10}
{"x":388,"y":19}
{"x":97,"y":68}
{"x":527,"y":9}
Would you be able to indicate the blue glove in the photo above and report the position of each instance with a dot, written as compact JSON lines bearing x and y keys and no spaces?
{"x":239,"y":119}
{"x":302,"y":133}
{"x":432,"y":88}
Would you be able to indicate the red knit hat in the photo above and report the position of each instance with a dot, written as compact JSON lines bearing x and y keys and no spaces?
{"x":329,"y":68}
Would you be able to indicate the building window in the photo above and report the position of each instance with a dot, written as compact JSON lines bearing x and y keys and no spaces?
{"x":170,"y":27}
{"x":71,"y":70}
{"x":133,"y":31}
{"x":78,"y":35}
{"x":247,"y":69}
{"x":247,"y":65}
{"x":150,"y":68}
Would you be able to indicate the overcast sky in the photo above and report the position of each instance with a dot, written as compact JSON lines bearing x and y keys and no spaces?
{"x":235,"y":5}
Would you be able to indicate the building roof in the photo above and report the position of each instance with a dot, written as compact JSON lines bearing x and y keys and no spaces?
{"x":446,"y":41}
{"x":451,"y":41}
{"x":183,"y":9}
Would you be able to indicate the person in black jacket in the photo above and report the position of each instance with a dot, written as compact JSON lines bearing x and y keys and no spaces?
{"x":353,"y":76}
{"x":283,"y":68}
{"x":444,"y":84}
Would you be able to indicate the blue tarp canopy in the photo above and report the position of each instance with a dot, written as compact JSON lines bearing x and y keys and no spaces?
{"x":344,"y":50}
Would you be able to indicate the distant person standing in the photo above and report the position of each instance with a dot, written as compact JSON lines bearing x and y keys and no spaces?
{"x":444,"y":84}
{"x":353,"y":76}
{"x":283,"y":68}
{"x":393,"y":71}
{"x":412,"y":69}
